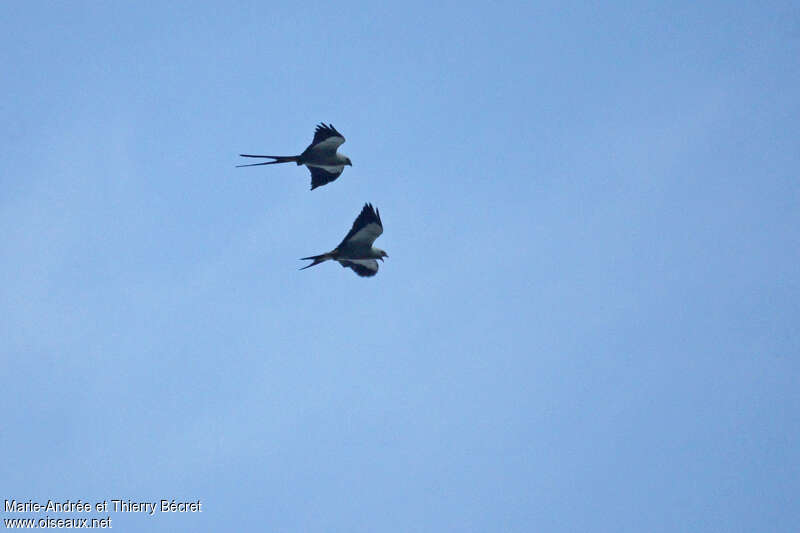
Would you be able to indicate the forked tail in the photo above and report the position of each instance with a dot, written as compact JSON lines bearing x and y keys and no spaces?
{"x":277,"y":158}
{"x":317,"y":259}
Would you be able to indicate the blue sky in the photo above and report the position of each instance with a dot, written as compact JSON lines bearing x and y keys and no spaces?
{"x":588,"y":320}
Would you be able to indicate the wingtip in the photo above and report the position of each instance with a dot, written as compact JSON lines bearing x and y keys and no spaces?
{"x":328,"y":126}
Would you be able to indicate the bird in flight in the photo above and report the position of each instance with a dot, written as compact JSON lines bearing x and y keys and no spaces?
{"x":321,"y":157}
{"x":356,"y":250}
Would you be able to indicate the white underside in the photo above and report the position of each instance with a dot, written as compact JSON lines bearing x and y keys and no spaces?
{"x":368,"y":263}
{"x":328,"y":168}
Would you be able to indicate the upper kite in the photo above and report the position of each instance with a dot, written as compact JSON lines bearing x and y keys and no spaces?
{"x":321,"y":157}
{"x":356,"y":250}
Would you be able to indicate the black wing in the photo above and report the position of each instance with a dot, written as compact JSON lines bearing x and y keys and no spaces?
{"x":363,"y":267}
{"x":367,"y":226}
{"x":321,"y":177}
{"x":326,"y":131}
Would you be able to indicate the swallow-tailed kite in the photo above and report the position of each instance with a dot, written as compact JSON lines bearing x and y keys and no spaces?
{"x":356,"y":250}
{"x":321,"y":157}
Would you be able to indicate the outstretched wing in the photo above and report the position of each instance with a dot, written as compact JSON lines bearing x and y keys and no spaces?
{"x":366,"y":228}
{"x":326,"y":139}
{"x":363,"y":267}
{"x":322,"y":175}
